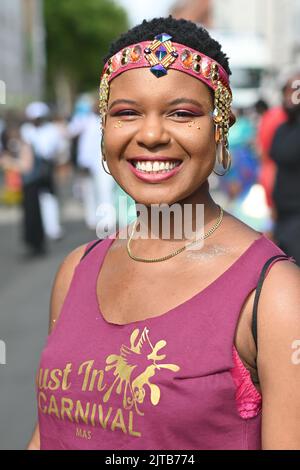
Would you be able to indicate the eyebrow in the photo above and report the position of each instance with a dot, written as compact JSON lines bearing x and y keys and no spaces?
{"x":120,"y":101}
{"x":184,"y":100}
{"x":170,"y":103}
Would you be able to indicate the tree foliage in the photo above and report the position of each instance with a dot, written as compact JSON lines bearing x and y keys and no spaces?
{"x":78,"y":33}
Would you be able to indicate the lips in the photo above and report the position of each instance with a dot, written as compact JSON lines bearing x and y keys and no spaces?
{"x":160,"y":158}
{"x":154,"y":169}
{"x":158,"y":162}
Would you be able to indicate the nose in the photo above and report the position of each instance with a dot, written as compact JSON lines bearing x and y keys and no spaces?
{"x":152,"y":132}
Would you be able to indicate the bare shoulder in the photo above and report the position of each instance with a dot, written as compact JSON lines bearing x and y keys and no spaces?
{"x":281,"y":293}
{"x":62,"y":282}
{"x":277,"y":360}
{"x":278,"y":316}
{"x":278,"y":338}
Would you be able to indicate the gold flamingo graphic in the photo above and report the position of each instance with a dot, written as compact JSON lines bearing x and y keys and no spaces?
{"x":138,"y":360}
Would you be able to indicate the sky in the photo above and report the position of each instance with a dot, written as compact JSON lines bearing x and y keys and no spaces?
{"x":145,"y":9}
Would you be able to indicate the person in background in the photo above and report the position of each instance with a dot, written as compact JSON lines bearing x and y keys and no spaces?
{"x":285,"y":152}
{"x":238,"y":182}
{"x":267,"y":126}
{"x":46,"y":140}
{"x":97,"y":187}
{"x":261,"y":107}
{"x":11,"y":185}
{"x":16,"y":155}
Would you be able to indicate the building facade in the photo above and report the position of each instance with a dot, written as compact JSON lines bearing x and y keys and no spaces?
{"x":199,"y":11}
{"x":22,"y":58}
{"x":275,"y":20}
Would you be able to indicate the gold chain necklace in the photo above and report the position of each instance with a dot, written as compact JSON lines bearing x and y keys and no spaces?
{"x":163,"y":258}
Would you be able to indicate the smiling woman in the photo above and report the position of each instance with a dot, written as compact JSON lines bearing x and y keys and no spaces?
{"x":158,"y":344}
{"x":162,"y":132}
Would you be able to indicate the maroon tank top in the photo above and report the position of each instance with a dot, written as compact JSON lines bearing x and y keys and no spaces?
{"x":169,"y":382}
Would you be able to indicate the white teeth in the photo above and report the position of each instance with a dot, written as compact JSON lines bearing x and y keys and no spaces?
{"x":155,"y":166}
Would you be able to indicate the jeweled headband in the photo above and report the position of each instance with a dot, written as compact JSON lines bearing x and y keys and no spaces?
{"x":160,"y":55}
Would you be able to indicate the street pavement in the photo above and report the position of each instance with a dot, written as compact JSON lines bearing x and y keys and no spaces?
{"x":25,"y":287}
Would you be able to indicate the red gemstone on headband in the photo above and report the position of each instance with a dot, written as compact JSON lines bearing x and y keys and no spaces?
{"x":206,"y":67}
{"x":116,"y":61}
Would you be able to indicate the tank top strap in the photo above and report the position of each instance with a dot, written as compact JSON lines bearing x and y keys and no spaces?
{"x":266,"y":254}
{"x":90,"y":245}
{"x":266,"y":268}
{"x":92,"y":258}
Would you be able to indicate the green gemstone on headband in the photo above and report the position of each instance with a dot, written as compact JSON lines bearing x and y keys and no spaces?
{"x":158,"y":70}
{"x":163,"y":37}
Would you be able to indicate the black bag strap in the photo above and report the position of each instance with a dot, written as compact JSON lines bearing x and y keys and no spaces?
{"x":258,"y":291}
{"x":90,"y":248}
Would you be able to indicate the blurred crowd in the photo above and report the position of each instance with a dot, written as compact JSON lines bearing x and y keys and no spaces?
{"x":39,"y":152}
{"x":262,"y":188}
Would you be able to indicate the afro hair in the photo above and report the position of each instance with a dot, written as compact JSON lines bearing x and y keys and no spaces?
{"x":182,"y":31}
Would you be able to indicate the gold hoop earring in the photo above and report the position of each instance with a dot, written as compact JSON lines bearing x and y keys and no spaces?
{"x":102,"y":144}
{"x":102,"y":161}
{"x":223,"y":156}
